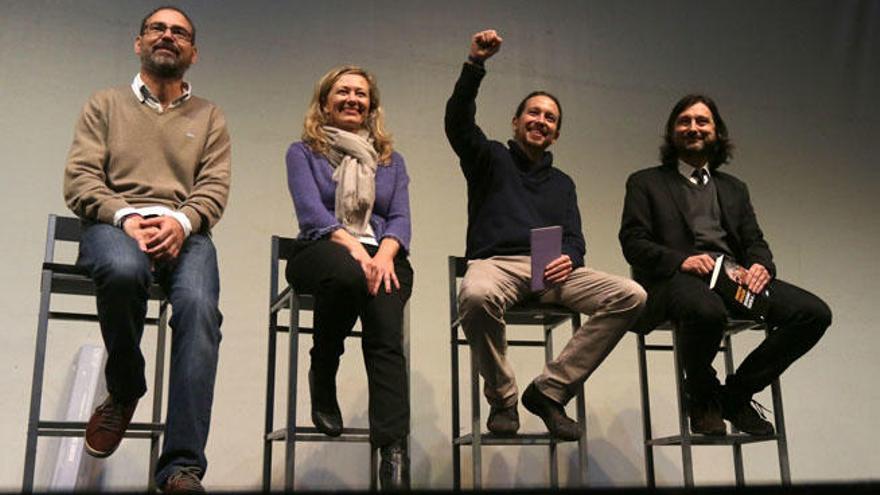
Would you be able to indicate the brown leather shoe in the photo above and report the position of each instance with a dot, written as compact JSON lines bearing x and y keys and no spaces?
{"x":185,"y":480}
{"x":107,"y":426}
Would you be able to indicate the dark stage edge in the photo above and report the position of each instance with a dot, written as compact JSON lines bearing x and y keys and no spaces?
{"x":864,"y":487}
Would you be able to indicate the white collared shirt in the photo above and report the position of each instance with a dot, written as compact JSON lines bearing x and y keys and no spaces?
{"x":143,"y":94}
{"x":687,"y":172}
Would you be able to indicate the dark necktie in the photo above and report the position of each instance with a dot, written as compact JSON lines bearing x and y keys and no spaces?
{"x":701,"y":176}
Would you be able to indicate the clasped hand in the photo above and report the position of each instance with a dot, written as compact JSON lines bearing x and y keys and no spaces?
{"x":161,"y":238}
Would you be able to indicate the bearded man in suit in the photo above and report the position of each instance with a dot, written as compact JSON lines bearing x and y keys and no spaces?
{"x":677,"y":218}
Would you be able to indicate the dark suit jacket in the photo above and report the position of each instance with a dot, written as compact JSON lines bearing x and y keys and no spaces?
{"x":657,"y":236}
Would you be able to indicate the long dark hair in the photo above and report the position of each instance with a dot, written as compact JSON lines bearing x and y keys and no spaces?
{"x":720,"y":152}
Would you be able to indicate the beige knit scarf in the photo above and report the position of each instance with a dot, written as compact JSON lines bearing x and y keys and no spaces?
{"x":354,"y":162}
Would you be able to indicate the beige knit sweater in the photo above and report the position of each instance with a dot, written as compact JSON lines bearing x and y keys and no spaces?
{"x":124,"y":154}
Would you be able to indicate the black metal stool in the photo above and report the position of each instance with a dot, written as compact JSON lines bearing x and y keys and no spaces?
{"x":291,"y":433}
{"x":546,"y":315}
{"x":685,"y":439}
{"x":59,"y":278}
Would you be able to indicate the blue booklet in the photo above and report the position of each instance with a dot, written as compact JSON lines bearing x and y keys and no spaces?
{"x":546,"y":245}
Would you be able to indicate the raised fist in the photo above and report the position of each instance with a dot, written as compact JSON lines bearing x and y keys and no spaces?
{"x":485,"y":44}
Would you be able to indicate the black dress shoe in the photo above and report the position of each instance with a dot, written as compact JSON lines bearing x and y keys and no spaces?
{"x":326,"y":415}
{"x":745,"y":414}
{"x":561,"y":427}
{"x":394,"y":467}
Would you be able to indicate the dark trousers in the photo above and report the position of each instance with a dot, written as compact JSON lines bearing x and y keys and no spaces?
{"x":122,"y":276}
{"x":327,"y":270}
{"x":797,"y":317}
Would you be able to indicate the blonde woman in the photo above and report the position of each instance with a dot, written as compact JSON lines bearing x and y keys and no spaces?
{"x":349,"y":190}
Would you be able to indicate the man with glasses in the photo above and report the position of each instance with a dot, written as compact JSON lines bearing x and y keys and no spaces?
{"x":148,"y":173}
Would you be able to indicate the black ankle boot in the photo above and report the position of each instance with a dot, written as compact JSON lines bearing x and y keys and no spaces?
{"x":326,"y":415}
{"x":394,"y":467}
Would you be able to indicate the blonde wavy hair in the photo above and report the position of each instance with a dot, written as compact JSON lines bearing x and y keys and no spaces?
{"x":313,"y":132}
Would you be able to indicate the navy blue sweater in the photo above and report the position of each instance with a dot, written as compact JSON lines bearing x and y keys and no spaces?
{"x":508,"y":195}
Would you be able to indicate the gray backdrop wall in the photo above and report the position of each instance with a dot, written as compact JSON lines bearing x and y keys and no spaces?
{"x":796,"y":82}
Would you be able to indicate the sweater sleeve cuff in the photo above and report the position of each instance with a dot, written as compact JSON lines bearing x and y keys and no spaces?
{"x":323,"y":231}
{"x":577,"y":260}
{"x":474,"y":71}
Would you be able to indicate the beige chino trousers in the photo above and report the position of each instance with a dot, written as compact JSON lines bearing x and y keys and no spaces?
{"x":492,"y":285}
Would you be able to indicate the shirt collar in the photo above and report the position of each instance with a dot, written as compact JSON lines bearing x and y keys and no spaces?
{"x":143,"y":94}
{"x":687,"y":171}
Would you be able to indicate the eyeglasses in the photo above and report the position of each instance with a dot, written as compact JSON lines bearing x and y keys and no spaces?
{"x":177,"y":32}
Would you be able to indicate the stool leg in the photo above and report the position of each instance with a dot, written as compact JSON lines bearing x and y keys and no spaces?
{"x":30,"y":451}
{"x":454,"y":325}
{"x":374,"y":468}
{"x":553,"y":455}
{"x":290,"y":438}
{"x":781,"y":436}
{"x":646,"y":412}
{"x":476,"y":432}
{"x":737,"y":448}
{"x":270,"y":398}
{"x":580,"y":405}
{"x":158,"y":387}
{"x":456,"y":404}
{"x":687,"y":465}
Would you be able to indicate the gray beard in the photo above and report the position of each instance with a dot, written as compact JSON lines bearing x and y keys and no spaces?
{"x":164,"y":67}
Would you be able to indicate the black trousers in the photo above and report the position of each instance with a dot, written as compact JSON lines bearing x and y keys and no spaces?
{"x":799,"y":320}
{"x":327,"y":270}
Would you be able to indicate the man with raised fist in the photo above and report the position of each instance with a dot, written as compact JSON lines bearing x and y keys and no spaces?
{"x":512,"y":189}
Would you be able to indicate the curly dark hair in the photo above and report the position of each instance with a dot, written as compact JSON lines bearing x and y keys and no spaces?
{"x":720,"y":152}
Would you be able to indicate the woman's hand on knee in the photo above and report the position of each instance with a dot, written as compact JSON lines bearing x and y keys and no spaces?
{"x":384,"y":275}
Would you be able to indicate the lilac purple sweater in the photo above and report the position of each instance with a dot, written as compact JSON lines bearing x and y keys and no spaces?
{"x":310,"y":180}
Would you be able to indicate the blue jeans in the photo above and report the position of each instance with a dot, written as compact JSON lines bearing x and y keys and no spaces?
{"x":122,"y":276}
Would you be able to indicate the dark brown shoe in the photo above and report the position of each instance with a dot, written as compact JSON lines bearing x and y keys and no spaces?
{"x":503,"y":420}
{"x":186,"y":480}
{"x":705,"y":417}
{"x":560,"y":426}
{"x":107,"y":426}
